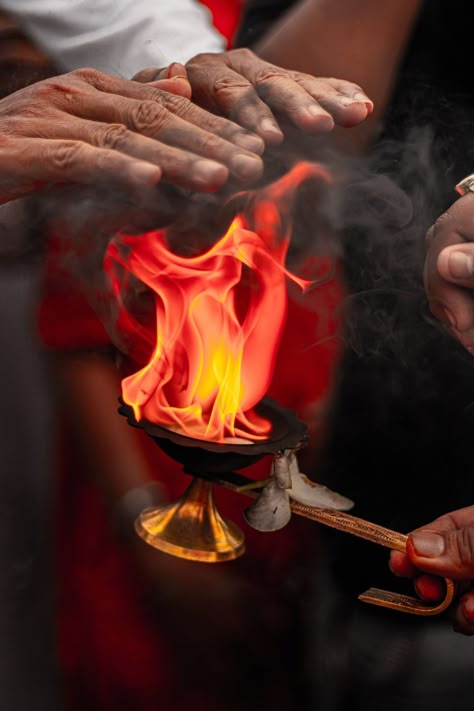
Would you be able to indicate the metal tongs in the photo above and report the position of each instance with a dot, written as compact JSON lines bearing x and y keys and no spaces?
{"x":348,"y":523}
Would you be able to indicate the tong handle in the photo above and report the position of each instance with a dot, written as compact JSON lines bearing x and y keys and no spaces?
{"x":384,"y":537}
{"x":352,"y":524}
{"x":408,"y":604}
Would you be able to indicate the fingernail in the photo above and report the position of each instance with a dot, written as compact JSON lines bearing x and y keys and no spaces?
{"x":365,"y":99}
{"x":254,"y":144}
{"x":174,"y":66}
{"x":270,"y":126}
{"x":357,"y":99}
{"x":207,"y":171}
{"x":324,"y":118}
{"x":427,"y":545}
{"x":246,"y":166}
{"x":145,"y":173}
{"x":347,"y":101}
{"x":158,"y":82}
{"x":460,"y":265}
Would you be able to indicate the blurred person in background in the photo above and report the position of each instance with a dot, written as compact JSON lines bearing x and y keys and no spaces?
{"x":401,"y":424}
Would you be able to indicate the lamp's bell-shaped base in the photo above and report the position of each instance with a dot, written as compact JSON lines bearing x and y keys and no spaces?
{"x":192,"y":528}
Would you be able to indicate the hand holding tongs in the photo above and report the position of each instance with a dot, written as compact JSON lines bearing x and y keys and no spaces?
{"x":348,"y":523}
{"x":384,"y":537}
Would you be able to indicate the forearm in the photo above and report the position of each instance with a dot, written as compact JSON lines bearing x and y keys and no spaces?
{"x":362,"y":41}
{"x":117,"y":36}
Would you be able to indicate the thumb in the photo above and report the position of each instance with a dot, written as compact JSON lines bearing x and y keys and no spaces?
{"x":172,"y":78}
{"x":446,"y":553}
{"x":456,"y":264}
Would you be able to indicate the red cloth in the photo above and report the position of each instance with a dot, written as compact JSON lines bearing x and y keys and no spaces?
{"x":225,"y":16}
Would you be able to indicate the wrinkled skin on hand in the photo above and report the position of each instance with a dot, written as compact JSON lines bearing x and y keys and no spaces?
{"x":256,"y":94}
{"x":449,"y":269}
{"x":442,"y":548}
{"x":90,"y":128}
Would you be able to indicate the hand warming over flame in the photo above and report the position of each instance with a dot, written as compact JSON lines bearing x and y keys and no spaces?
{"x":449,"y":269}
{"x":443,"y":548}
{"x":252,"y":92}
{"x":90,"y":128}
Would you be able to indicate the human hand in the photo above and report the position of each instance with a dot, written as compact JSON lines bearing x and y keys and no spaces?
{"x":443,"y":548}
{"x":250,"y":91}
{"x":449,"y":269}
{"x":90,"y":128}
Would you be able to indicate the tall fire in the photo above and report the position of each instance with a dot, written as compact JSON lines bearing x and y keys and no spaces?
{"x":218,"y":319}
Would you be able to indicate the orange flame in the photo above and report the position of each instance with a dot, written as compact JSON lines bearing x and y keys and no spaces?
{"x":219,"y":320}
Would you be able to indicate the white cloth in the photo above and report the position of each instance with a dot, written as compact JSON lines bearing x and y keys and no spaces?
{"x":117,"y":36}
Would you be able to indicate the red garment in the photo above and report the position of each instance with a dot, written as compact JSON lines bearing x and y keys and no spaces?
{"x":225,"y":16}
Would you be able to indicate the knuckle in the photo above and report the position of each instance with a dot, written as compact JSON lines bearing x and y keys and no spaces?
{"x":64,"y":154}
{"x":200,"y":58}
{"x":87,"y":74}
{"x":223,"y":86}
{"x":269,"y":73}
{"x":243,"y":54}
{"x":57,"y":92}
{"x":52,"y":88}
{"x":112,"y":136}
{"x":210,"y":144}
{"x":148,"y":116}
{"x":177,"y":105}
